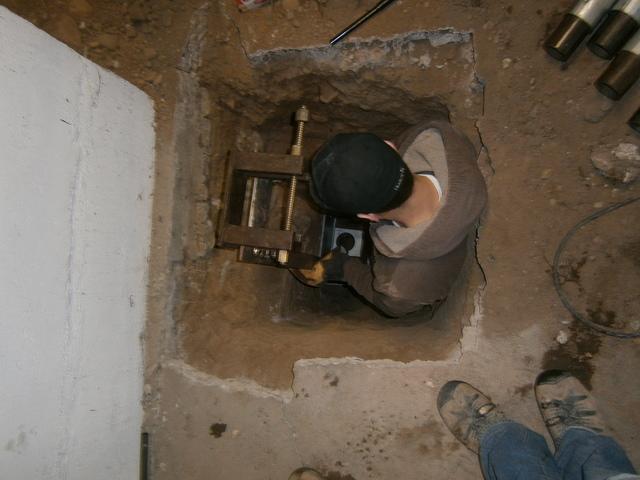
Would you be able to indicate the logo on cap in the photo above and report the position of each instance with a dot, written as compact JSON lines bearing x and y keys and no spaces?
{"x":396,"y":187}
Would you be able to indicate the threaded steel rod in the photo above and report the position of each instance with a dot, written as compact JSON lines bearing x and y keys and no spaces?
{"x":302,"y":115}
{"x":299,"y":133}
{"x":291,"y":203}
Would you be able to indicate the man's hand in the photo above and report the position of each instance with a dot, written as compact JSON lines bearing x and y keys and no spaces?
{"x":329,"y":268}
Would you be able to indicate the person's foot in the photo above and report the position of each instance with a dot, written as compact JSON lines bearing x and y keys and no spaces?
{"x":329,"y":268}
{"x":564,"y":402}
{"x":468,"y":413}
{"x":305,"y":474}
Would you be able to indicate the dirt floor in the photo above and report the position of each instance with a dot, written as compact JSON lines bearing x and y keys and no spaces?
{"x":237,"y":389}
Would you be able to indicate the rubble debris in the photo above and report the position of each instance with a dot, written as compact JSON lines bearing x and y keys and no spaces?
{"x":562,"y":338}
{"x":618,"y":162}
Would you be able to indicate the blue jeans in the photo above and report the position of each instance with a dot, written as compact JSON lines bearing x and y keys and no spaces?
{"x":510,"y":451}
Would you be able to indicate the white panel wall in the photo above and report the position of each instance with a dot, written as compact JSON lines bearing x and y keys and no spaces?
{"x":76,"y":175}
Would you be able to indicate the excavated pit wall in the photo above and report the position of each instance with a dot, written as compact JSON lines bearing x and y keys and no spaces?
{"x":238,"y":320}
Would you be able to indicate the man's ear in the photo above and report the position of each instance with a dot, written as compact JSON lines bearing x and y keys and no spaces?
{"x":372,"y":217}
{"x":391,"y":144}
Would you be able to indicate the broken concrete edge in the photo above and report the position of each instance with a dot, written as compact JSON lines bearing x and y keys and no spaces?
{"x":478,"y":82}
{"x":159,"y":339}
{"x":253,"y":388}
{"x":191,"y":55}
{"x":484,"y":157}
{"x":188,"y":149}
{"x":233,"y":385}
{"x":437,"y":38}
{"x":470,"y":338}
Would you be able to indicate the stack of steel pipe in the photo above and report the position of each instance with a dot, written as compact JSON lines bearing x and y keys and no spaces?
{"x":575,"y":26}
{"x":622,"y":72}
{"x":616,"y":36}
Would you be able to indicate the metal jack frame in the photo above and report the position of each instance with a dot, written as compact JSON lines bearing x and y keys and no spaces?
{"x":246,"y":171}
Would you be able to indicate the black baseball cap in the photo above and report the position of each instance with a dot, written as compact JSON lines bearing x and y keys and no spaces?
{"x":359,"y":173}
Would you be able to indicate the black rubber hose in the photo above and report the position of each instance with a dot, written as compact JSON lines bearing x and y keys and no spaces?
{"x":556,"y":272}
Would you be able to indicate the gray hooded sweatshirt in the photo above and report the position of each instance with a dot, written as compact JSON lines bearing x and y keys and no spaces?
{"x":417,"y":266}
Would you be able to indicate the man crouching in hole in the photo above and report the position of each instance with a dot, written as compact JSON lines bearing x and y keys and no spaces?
{"x":423,"y":195}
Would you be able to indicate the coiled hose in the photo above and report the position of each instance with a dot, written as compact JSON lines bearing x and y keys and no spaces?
{"x":556,"y":272}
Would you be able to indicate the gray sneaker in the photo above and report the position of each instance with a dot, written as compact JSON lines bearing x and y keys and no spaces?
{"x":564,"y":402}
{"x":306,"y":474}
{"x":468,"y":413}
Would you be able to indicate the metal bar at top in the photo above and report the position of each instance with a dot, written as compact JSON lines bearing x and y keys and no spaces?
{"x":374,"y":11}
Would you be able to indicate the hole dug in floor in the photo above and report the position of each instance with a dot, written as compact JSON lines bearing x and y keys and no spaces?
{"x":245,"y":320}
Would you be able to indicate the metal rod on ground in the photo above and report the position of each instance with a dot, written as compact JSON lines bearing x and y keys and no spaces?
{"x":374,"y":11}
{"x":302,"y":116}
